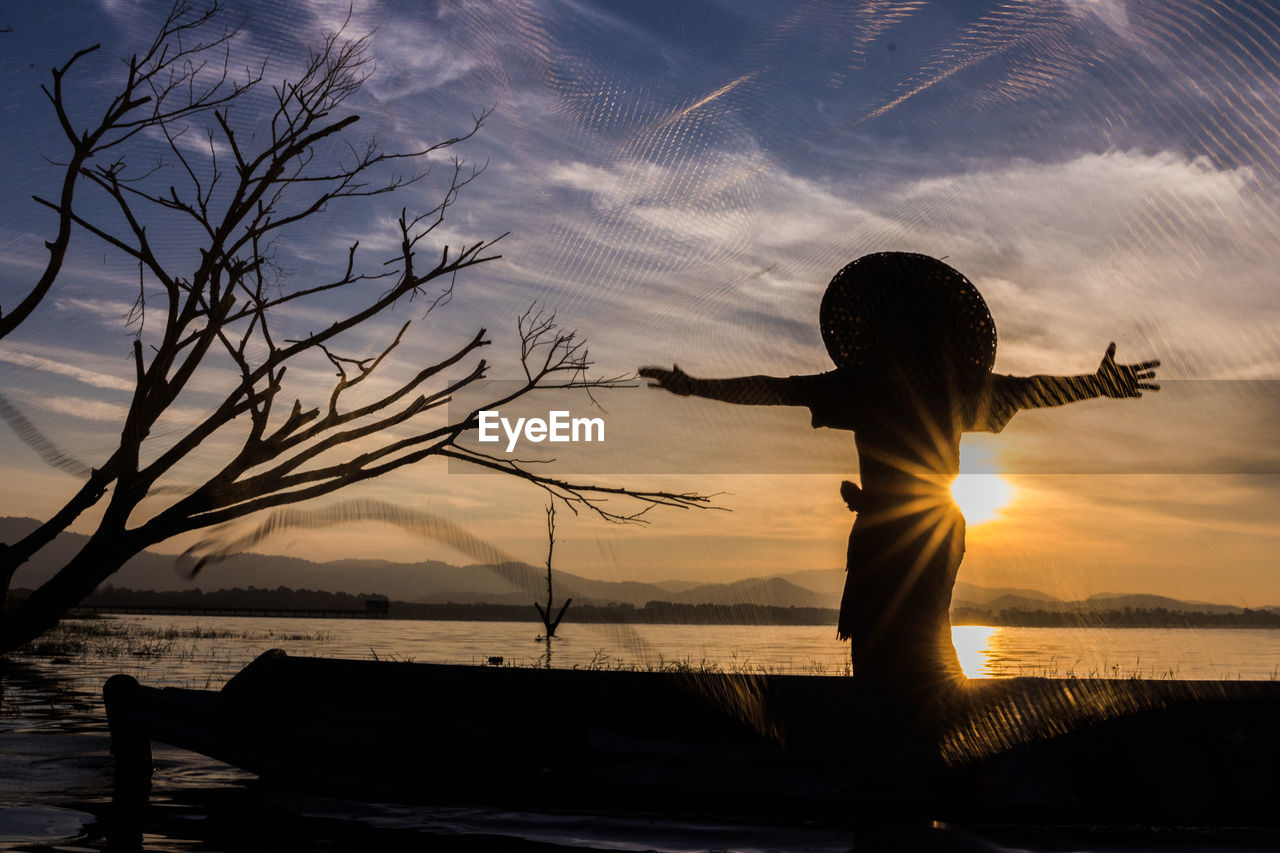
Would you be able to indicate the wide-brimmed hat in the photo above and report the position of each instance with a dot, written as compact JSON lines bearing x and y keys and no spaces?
{"x":901,"y":307}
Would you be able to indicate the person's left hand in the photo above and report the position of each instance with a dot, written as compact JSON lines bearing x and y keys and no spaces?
{"x":1125,"y":380}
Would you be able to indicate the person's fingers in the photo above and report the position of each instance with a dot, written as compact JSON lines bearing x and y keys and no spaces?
{"x":1148,"y":365}
{"x":1149,"y":386}
{"x":1111,"y":352}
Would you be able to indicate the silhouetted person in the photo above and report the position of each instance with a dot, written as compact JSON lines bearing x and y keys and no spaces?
{"x":914,"y":346}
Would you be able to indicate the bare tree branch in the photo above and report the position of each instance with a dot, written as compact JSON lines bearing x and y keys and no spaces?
{"x":221,"y":307}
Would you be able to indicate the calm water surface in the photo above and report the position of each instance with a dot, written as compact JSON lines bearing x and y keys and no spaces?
{"x":984,"y":652}
{"x":55,"y":766}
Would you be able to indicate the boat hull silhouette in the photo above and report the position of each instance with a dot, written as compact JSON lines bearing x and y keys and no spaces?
{"x":761,"y":746}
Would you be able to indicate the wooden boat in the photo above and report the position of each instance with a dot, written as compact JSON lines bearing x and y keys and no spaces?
{"x":780,"y":746}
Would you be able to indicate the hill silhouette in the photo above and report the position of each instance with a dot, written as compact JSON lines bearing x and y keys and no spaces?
{"x":438,"y":582}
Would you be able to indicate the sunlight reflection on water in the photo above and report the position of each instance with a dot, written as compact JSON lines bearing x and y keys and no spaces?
{"x":972,"y":647}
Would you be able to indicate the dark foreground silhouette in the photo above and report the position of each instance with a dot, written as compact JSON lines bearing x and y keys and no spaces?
{"x":914,"y":346}
{"x":1015,"y":751}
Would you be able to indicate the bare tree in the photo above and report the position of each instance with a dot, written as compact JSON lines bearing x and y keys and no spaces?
{"x":549,"y":621}
{"x":247,"y":187}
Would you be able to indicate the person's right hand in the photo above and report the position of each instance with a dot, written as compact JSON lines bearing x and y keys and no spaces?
{"x":674,"y":380}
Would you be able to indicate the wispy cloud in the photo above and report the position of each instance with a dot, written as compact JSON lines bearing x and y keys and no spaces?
{"x":97,"y":379}
{"x":112,"y":311}
{"x":86,"y":408}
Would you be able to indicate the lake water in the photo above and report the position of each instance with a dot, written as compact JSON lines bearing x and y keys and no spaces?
{"x":55,"y":768}
{"x":189,"y":660}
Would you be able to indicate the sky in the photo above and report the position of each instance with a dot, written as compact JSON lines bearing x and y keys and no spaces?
{"x":679,"y":181}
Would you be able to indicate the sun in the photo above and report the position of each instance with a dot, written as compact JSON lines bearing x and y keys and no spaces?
{"x":981,"y":496}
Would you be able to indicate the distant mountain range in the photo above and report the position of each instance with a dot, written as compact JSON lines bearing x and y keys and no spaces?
{"x":434,"y":581}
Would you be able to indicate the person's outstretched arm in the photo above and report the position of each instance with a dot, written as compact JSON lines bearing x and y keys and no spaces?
{"x":1005,"y":395}
{"x":747,"y":390}
{"x":1111,"y":380}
